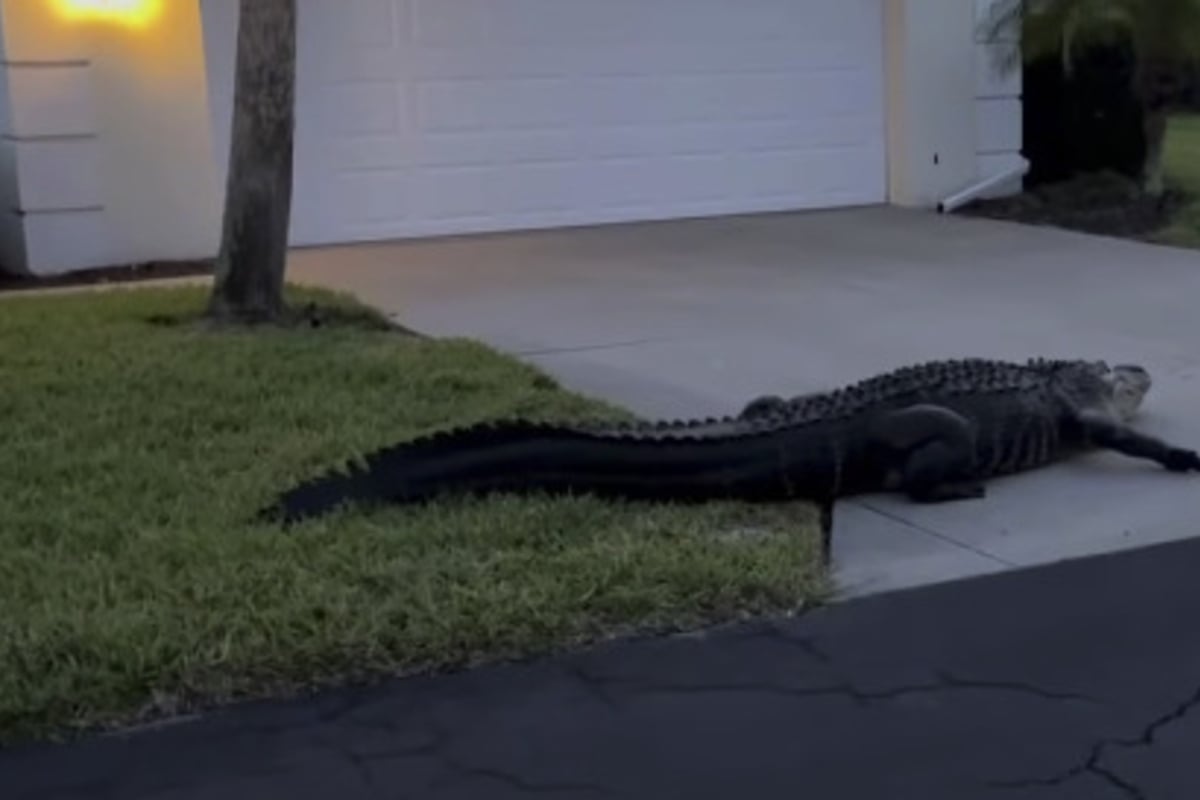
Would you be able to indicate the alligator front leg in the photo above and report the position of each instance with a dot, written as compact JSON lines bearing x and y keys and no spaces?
{"x":1102,"y":431}
{"x":933,"y":450}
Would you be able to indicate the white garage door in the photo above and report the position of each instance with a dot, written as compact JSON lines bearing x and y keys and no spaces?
{"x":420,"y":117}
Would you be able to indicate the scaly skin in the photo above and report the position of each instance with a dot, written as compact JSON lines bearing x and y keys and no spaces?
{"x":935,"y":431}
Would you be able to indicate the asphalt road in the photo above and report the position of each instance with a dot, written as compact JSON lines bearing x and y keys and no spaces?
{"x":1077,"y":680}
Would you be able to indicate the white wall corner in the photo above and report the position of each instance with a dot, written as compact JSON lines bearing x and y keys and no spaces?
{"x":13,"y":258}
{"x":932,"y":120}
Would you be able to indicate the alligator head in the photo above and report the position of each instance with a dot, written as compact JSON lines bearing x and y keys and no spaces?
{"x":1129,"y":385}
{"x":1118,"y":390}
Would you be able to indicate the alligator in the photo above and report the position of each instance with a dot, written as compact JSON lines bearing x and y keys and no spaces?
{"x":936,"y":431}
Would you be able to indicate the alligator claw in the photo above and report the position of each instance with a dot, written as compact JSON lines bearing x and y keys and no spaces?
{"x":1180,"y":460}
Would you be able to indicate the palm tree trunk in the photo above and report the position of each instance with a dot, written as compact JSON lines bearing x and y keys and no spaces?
{"x":248,"y":285}
{"x":1154,"y":126}
{"x":1155,"y":130}
{"x":1156,"y":87}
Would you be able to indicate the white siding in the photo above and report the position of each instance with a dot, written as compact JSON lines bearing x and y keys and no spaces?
{"x":106,"y":136}
{"x":998,"y":106}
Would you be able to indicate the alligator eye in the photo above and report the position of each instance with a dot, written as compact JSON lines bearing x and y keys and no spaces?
{"x":1134,"y":368}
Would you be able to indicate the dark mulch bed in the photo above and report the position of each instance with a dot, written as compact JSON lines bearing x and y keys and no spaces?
{"x":1104,"y":203}
{"x":125,"y":273}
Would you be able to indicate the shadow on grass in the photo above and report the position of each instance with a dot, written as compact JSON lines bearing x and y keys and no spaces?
{"x":330,"y":311}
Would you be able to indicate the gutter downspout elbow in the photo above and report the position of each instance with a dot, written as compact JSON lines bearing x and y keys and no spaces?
{"x":961,"y":198}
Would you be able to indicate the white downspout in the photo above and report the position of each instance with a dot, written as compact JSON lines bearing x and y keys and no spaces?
{"x":961,"y":198}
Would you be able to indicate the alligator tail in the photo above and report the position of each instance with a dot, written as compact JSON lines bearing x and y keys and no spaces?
{"x":528,"y":456}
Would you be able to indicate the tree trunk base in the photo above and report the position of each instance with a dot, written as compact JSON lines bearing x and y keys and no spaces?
{"x":1155,"y":127}
{"x":308,"y":316}
{"x":226,"y":313}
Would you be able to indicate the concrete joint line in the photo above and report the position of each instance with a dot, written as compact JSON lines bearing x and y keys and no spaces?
{"x":930,"y":532}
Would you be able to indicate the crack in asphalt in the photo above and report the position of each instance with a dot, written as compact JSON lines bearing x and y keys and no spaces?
{"x":362,"y":761}
{"x":1093,"y":764}
{"x":437,"y":748}
{"x":944,"y":682}
{"x":593,"y":688}
{"x":775,"y":632}
{"x":515,"y":781}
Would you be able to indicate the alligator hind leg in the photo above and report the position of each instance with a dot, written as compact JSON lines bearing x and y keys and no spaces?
{"x":933,"y":474}
{"x":935,"y":451}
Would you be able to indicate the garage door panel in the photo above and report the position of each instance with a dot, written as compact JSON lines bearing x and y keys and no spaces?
{"x":822,"y":133}
{"x":419,"y":116}
{"x":633,"y":184}
{"x":648,"y":57}
{"x":365,"y":153}
{"x":490,"y":61}
{"x":584,"y":22}
{"x":535,"y":189}
{"x":373,"y":24}
{"x":449,"y":22}
{"x":645,"y":100}
{"x":614,"y":142}
{"x":338,"y":66}
{"x":497,"y":104}
{"x":454,"y":192}
{"x":356,"y":23}
{"x":371,"y":196}
{"x":473,"y":193}
{"x":512,"y":148}
{"x":688,"y":180}
{"x":794,"y":176}
{"x":359,"y":108}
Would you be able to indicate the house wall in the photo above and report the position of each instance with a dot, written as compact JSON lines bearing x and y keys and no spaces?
{"x":110,"y":137}
{"x":110,"y":154}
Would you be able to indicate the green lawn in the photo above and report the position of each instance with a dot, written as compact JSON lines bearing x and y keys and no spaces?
{"x":1182,"y":166}
{"x":133,"y":586}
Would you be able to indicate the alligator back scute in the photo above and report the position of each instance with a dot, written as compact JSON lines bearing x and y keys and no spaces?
{"x":928,"y":381}
{"x":909,"y":384}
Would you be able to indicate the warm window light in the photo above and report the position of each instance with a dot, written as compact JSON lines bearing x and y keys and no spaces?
{"x":136,"y":13}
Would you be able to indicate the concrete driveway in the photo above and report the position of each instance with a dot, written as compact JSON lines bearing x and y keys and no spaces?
{"x":694,"y":317}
